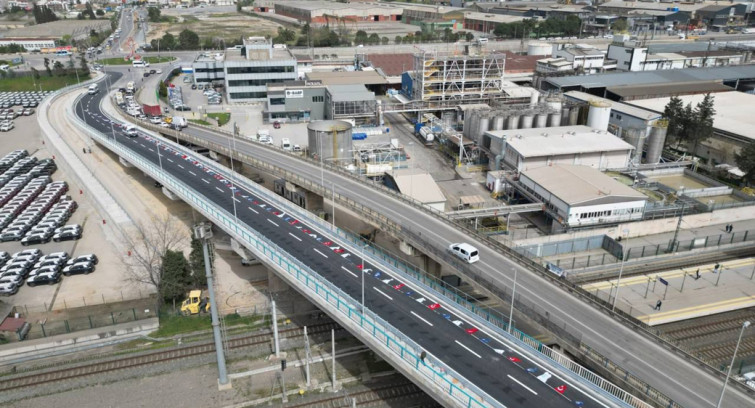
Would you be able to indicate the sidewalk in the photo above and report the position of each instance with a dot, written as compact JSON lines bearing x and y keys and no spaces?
{"x":683,"y":297}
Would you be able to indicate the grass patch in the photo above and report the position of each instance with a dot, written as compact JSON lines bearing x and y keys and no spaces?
{"x":47,"y":83}
{"x":172,"y":324}
{"x":200,"y":122}
{"x":121,"y":61}
{"x":222,"y":117}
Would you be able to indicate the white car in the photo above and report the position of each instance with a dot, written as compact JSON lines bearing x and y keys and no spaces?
{"x":5,"y":127}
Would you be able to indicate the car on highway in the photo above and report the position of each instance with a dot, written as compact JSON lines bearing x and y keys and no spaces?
{"x":130,"y":131}
{"x":156,"y":120}
{"x":465,"y":252}
{"x":182,"y":108}
{"x":49,"y":278}
{"x":79,"y":268}
{"x":69,"y":235}
{"x":91,"y":258}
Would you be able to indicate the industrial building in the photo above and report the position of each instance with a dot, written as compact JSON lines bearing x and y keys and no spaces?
{"x":681,"y":80}
{"x":623,"y":117}
{"x":583,"y":58}
{"x":29,"y":44}
{"x":732,"y":124}
{"x":446,"y":76}
{"x":633,"y":56}
{"x":304,"y":101}
{"x":486,"y":22}
{"x":525,"y":149}
{"x":246,"y":72}
{"x":580,"y":196}
{"x":326,"y":12}
{"x":418,"y":185}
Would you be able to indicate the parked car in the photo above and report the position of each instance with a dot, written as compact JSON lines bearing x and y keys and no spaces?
{"x":79,"y":268}
{"x":35,"y":239}
{"x":6,"y":127}
{"x":8,"y":289}
{"x":49,"y":278}
{"x":69,"y":235}
{"x":276,"y":125}
{"x":92,"y":258}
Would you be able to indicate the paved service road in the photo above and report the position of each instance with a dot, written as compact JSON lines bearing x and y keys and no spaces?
{"x":504,"y":373}
{"x":684,"y":382}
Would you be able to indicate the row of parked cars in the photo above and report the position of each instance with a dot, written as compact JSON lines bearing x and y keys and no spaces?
{"x":27,"y":99}
{"x":32,"y":267}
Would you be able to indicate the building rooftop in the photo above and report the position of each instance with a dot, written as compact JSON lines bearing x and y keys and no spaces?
{"x":317,"y":5}
{"x":619,"y":107}
{"x":640,"y":5}
{"x":418,"y":185}
{"x":655,"y":77}
{"x":278,"y":55}
{"x":628,"y":92}
{"x":392,"y":64}
{"x":347,"y":78}
{"x":730,"y":115}
{"x":516,"y":63}
{"x":349,"y":93}
{"x":536,"y":142}
{"x":496,"y":18}
{"x":581,"y":49}
{"x":577,"y":185}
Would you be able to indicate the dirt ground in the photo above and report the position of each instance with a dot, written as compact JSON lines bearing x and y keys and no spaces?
{"x":220,"y":25}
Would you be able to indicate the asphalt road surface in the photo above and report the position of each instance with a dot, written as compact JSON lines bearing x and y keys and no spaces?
{"x":503,"y":373}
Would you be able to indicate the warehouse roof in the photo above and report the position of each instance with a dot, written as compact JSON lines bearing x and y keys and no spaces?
{"x":730,"y":115}
{"x":655,"y":77}
{"x":350,"y":93}
{"x":392,"y":64}
{"x":581,"y":185}
{"x":661,"y":90}
{"x":537,"y":142}
{"x":418,"y":185}
{"x":347,"y":77}
{"x":619,"y":107}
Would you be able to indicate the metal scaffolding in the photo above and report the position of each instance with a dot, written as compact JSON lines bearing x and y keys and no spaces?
{"x":441,"y":76}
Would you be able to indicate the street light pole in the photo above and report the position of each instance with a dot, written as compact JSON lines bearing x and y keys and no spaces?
{"x":618,"y":282}
{"x":745,"y":325}
{"x":233,"y":193}
{"x":513,"y":295}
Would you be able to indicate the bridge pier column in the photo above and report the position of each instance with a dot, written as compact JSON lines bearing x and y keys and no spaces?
{"x":124,"y":163}
{"x":170,"y":194}
{"x":274,"y":283}
{"x":430,"y":266}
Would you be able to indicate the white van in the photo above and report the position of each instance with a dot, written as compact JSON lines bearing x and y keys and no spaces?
{"x":130,"y":131}
{"x":93,"y":89}
{"x":465,"y":251}
{"x":139,"y":64}
{"x":285,"y":144}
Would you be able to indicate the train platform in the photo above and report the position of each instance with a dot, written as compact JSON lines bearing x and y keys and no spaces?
{"x":682,"y":294}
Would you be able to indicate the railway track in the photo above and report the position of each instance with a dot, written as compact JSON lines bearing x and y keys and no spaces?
{"x":393,"y":392}
{"x":44,"y":377}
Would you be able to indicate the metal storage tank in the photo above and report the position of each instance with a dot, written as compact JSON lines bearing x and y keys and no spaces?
{"x":554,"y":119}
{"x":474,"y":124}
{"x":331,"y":139}
{"x":541,"y":120}
{"x":574,"y":116}
{"x":554,"y":103}
{"x":599,"y":114}
{"x":636,"y":138}
{"x":512,"y":122}
{"x":539,"y":48}
{"x":484,"y":126}
{"x":655,"y":142}
{"x":467,"y":122}
{"x":534,"y":97}
{"x":564,"y":116}
{"x":527,"y":121}
{"x":498,"y":123}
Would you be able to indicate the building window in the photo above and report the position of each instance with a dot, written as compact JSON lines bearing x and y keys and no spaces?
{"x":215,"y":70}
{"x":618,"y":116}
{"x":260,"y":70}
{"x":253,"y":82}
{"x":277,"y":101}
{"x":318,"y":98}
{"x":248,"y":95}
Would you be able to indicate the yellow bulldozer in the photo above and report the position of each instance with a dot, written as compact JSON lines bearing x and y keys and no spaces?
{"x":197,"y":302}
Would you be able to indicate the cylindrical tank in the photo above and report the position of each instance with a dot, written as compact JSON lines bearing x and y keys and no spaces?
{"x":527,"y":121}
{"x":541,"y":120}
{"x":574,"y":116}
{"x":564,"y":116}
{"x":512,"y":122}
{"x":534,"y":97}
{"x":597,"y":117}
{"x":484,"y":126}
{"x":553,"y":103}
{"x":636,"y":138}
{"x":554,"y":119}
{"x":330,"y":139}
{"x":655,"y":142}
{"x":498,"y":123}
{"x":427,"y":134}
{"x":539,"y":48}
{"x":467,"y":122}
{"x":474,"y":124}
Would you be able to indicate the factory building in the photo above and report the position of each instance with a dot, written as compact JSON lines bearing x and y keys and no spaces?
{"x":622,"y":117}
{"x":304,"y":101}
{"x":526,"y":149}
{"x":326,"y":12}
{"x":632,"y":56}
{"x":445,"y":76}
{"x":581,"y":196}
{"x":584,"y":58}
{"x":29,"y":44}
{"x":248,"y":70}
{"x":418,"y":185}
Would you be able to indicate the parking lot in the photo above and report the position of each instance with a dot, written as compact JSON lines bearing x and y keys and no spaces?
{"x":107,"y":283}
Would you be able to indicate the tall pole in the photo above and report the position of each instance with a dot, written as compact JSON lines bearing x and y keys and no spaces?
{"x":307,"y":357}
{"x":231,"y":149}
{"x":672,"y":244}
{"x":618,"y":282}
{"x":513,"y":295}
{"x":203,"y":233}
{"x":275,"y":330}
{"x":745,"y":325}
{"x":159,"y":156}
{"x":333,"y":355}
{"x":363,"y":268}
{"x":333,"y":190}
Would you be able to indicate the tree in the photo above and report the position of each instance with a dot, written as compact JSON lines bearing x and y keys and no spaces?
{"x":80,"y":16}
{"x":147,"y":246}
{"x":672,"y":112}
{"x":100,"y":12}
{"x":702,"y":127}
{"x":285,"y":36}
{"x":58,"y":68}
{"x":469,"y":36}
{"x":188,"y":40}
{"x":745,"y":160}
{"x":153,"y":14}
{"x":196,"y":262}
{"x":89,"y":12}
{"x":373,"y":39}
{"x":163,"y":90}
{"x":398,"y":39}
{"x":360,"y":37}
{"x":174,"y":275}
{"x":34,"y":73}
{"x":385,"y":40}
{"x":620,"y":26}
{"x":47,"y":66}
{"x":83,"y":63}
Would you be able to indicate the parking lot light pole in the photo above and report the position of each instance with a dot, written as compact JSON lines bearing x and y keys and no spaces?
{"x":745,"y":325}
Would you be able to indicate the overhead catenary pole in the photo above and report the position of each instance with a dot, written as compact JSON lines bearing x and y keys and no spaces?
{"x":513,"y":295}
{"x":618,"y":282}
{"x":333,"y":356}
{"x":307,"y":357}
{"x":275,"y":330}
{"x":745,"y":325}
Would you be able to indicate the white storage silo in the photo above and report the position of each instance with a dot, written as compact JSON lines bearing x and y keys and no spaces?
{"x":541,"y":120}
{"x":598,"y":115}
{"x":636,"y":138}
{"x":331,"y":139}
{"x":539,"y":48}
{"x":656,"y":141}
{"x":498,"y":121}
{"x":512,"y":122}
{"x":574,"y":116}
{"x":527,"y":120}
{"x":554,"y":119}
{"x":564,"y":116}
